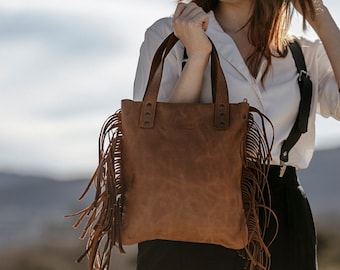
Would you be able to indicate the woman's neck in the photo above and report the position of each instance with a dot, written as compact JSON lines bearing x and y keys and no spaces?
{"x":233,"y":15}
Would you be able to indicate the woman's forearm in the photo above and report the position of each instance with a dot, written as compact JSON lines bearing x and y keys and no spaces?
{"x":188,"y":86}
{"x":329,"y":34}
{"x":190,"y":23}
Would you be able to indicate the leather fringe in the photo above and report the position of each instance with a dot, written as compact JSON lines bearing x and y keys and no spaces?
{"x":104,"y":215}
{"x":254,"y":185}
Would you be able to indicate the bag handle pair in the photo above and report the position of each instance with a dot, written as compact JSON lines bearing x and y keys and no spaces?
{"x":218,"y":81}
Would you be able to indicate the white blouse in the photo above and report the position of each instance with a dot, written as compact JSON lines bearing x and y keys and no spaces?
{"x":279,"y":96}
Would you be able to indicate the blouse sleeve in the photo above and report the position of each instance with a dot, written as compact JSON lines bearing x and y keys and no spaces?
{"x":153,"y":38}
{"x":328,"y":89}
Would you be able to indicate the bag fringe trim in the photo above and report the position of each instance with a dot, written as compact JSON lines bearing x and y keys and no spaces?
{"x":104,"y":222}
{"x":104,"y":214}
{"x":254,"y":185}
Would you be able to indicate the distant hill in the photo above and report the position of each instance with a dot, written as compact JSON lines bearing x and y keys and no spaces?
{"x":30,"y":206}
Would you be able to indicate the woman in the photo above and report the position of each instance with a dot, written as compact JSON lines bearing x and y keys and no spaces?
{"x":251,"y":39}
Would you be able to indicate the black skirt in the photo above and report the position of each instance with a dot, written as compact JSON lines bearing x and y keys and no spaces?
{"x":294,"y":247}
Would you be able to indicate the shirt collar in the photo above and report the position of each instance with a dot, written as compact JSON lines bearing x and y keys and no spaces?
{"x":227,"y":48}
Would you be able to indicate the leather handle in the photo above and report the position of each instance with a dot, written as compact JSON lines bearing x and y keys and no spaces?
{"x":219,"y":87}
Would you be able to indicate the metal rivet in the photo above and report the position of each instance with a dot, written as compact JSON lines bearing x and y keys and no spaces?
{"x":149,"y":105}
{"x":221,"y":114}
{"x":147,"y":113}
{"x":222,"y":106}
{"x":146,"y":123}
{"x":221,"y":124}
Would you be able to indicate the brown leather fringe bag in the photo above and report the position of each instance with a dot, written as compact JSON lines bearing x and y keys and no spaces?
{"x":186,"y":172}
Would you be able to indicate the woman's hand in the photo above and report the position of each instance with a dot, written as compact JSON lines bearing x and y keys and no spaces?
{"x":190,"y":23}
{"x":319,"y":8}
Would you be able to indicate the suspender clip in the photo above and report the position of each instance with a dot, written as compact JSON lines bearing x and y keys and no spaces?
{"x":303,"y":73}
{"x":283,"y":168}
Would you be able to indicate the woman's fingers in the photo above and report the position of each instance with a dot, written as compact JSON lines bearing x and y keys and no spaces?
{"x":190,"y":23}
{"x":318,"y":6}
{"x":179,"y":9}
{"x":190,"y":15}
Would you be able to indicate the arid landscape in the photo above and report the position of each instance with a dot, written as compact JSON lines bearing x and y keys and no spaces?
{"x":35,"y":235}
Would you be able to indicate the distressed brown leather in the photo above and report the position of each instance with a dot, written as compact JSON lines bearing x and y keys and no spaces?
{"x":183,"y":177}
{"x":186,"y":172}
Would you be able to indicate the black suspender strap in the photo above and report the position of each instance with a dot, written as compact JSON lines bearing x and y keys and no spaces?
{"x":301,"y":122}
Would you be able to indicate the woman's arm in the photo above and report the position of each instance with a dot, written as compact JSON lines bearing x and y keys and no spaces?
{"x":329,"y":33}
{"x":190,"y":23}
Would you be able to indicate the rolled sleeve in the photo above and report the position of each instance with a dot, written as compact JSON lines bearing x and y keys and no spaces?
{"x":153,"y":38}
{"x":329,"y":96}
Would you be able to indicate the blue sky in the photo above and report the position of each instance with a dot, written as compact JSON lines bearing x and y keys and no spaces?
{"x":65,"y":65}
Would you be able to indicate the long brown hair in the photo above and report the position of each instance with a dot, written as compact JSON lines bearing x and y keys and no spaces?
{"x":268,"y":26}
